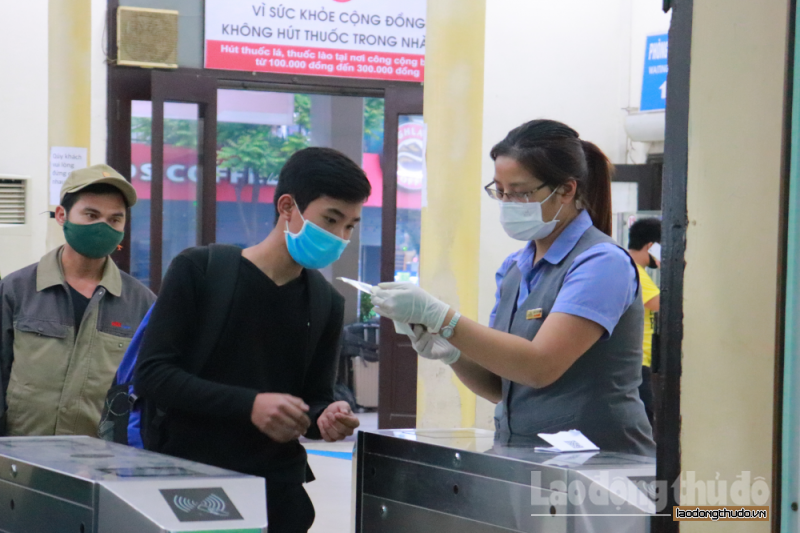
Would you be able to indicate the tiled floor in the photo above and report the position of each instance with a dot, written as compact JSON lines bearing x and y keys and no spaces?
{"x":332,"y":490}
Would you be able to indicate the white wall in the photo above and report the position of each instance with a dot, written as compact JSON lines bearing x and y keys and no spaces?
{"x":23,"y":123}
{"x":99,"y":76}
{"x":572,"y":61}
{"x":28,"y":125}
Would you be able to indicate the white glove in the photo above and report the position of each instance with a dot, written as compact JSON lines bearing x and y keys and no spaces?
{"x":432,"y":346}
{"x":407,"y":303}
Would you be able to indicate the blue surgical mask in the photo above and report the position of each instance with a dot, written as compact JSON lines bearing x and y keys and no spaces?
{"x":313,"y":247}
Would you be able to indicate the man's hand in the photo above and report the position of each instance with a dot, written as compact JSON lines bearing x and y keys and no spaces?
{"x":337,"y":421}
{"x":281,"y":417}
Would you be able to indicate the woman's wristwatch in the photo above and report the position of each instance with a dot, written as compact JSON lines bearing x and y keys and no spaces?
{"x":448,"y":331}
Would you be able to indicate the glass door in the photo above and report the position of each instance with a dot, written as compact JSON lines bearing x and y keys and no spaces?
{"x":257,"y":132}
{"x":181,"y":183}
{"x":410,"y":181}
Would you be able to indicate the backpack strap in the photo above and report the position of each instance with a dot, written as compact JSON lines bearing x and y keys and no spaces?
{"x":126,"y":367}
{"x":222,"y":272}
{"x":319,"y":293}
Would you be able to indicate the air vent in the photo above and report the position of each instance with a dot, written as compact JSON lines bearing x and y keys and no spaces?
{"x":147,"y":37}
{"x":12,"y":201}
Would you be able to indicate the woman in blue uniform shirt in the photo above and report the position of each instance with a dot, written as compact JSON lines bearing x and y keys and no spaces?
{"x":564,"y":350}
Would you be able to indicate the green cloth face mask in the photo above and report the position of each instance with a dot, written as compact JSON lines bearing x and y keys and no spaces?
{"x":94,"y":241}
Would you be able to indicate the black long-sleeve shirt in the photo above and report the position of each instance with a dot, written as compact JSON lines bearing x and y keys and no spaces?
{"x":262,"y":349}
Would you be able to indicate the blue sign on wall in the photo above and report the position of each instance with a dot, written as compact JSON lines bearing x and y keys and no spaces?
{"x":654,"y":81}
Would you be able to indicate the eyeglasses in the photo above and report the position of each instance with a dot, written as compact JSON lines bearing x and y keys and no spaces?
{"x":496,"y":194}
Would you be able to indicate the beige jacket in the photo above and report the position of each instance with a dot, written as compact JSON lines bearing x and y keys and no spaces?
{"x":55,"y":379}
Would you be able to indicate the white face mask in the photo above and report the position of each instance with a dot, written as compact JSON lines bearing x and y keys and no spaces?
{"x":523,"y":220}
{"x":655,"y":251}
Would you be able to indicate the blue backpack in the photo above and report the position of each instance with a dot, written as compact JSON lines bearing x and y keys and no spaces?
{"x":130,"y":419}
{"x":122,"y":414}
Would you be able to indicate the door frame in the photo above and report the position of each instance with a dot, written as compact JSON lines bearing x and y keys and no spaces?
{"x":185,"y":88}
{"x":648,"y":178}
{"x":126,"y":84}
{"x":673,"y":242}
{"x":395,"y":408}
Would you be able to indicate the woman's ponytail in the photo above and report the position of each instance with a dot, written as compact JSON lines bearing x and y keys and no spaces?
{"x":597,"y":197}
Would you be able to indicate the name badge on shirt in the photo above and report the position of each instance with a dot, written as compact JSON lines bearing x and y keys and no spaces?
{"x":533,"y":314}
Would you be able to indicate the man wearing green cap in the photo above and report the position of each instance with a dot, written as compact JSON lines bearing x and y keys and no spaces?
{"x":66,"y":321}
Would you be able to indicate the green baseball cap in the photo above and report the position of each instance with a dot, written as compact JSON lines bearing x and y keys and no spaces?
{"x":95,"y":174}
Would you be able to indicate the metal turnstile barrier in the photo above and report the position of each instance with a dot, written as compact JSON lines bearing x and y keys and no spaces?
{"x":85,"y":485}
{"x":461,"y":481}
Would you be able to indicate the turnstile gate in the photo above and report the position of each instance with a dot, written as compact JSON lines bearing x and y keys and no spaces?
{"x":462,"y":481}
{"x":85,"y":485}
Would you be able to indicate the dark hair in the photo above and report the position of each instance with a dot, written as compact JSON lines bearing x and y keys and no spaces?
{"x":312,"y":173}
{"x":71,"y":198}
{"x":644,"y":231}
{"x":554,"y":153}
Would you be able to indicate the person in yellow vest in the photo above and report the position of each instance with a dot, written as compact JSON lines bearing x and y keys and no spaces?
{"x":66,"y":321}
{"x":644,"y":233}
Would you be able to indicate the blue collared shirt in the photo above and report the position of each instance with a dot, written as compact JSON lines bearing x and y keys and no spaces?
{"x":600,"y":285}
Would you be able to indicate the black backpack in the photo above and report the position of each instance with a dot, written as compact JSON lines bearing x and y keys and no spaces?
{"x":130,"y":419}
{"x":222,"y":271}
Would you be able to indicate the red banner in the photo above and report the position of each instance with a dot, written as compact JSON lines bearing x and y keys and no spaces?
{"x":180,"y":180}
{"x":314,"y":61}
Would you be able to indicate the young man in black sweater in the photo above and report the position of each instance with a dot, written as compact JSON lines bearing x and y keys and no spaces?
{"x":269,"y":379}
